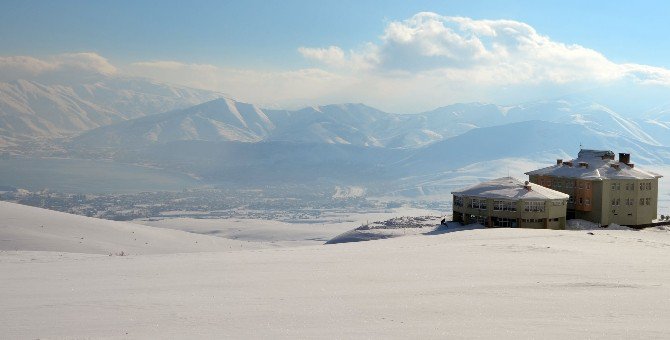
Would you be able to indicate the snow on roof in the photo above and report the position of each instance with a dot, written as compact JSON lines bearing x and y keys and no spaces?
{"x":510,"y":188}
{"x":601,"y":165}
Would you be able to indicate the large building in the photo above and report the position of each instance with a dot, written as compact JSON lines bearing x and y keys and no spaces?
{"x":508,"y":202}
{"x":603,"y":190}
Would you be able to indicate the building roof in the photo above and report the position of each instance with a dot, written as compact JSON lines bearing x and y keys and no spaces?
{"x":510,"y":188}
{"x":601,"y":165}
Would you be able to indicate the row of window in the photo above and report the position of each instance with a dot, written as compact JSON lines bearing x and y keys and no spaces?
{"x":504,"y":206}
{"x":580,"y":200}
{"x":477,"y":203}
{"x":631,"y":186}
{"x":534,"y":206}
{"x":566,"y":184}
{"x":631,"y":201}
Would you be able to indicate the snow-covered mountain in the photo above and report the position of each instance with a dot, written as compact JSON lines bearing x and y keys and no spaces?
{"x":31,"y":109}
{"x":355,"y":124}
{"x":229,"y":120}
{"x":218,"y":120}
{"x":538,"y":140}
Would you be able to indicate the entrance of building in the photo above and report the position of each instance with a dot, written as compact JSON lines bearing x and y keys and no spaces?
{"x":501,"y":222}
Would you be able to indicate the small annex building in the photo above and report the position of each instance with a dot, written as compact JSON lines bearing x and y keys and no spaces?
{"x":508,"y":202}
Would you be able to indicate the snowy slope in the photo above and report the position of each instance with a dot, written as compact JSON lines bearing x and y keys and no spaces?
{"x":361,"y":125}
{"x":228,"y":120}
{"x":493,"y":283}
{"x":538,"y":140}
{"x":30,"y":109}
{"x":33,"y":229}
{"x":218,"y":120}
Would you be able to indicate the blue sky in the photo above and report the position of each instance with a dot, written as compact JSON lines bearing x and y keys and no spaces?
{"x":267,"y":33}
{"x":267,"y":36}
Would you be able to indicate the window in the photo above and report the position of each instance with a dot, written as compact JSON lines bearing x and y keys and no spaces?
{"x":500,"y":205}
{"x":478,"y":219}
{"x":581,"y":200}
{"x":641,"y":201}
{"x":587,"y":201}
{"x":588,"y":185}
{"x":647,"y":201}
{"x":478,"y":203}
{"x":458,"y":201}
{"x":613,"y":202}
{"x":581,"y":185}
{"x":613,"y":186}
{"x":534,"y":205}
{"x":504,"y":222}
{"x":618,"y":186}
{"x":617,"y":202}
{"x":572,"y":200}
{"x":648,"y":186}
{"x":641,"y":186}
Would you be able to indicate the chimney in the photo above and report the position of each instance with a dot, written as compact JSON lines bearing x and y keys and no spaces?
{"x":559,"y":161}
{"x":583,"y":165}
{"x":616,"y":166}
{"x":569,"y":163}
{"x":624,"y":158}
{"x":527,"y":186}
{"x":631,"y":165}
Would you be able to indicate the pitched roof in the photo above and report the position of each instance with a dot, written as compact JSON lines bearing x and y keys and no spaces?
{"x":510,"y":188}
{"x":599,"y":168}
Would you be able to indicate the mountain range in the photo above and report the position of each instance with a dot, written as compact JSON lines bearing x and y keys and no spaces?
{"x":32,"y":110}
{"x":221,"y":140}
{"x":357,"y":124}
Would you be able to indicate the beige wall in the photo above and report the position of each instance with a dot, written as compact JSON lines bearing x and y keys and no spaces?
{"x":554,"y":209}
{"x":602,"y":211}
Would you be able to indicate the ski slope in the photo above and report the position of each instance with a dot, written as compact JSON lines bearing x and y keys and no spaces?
{"x":480,"y":283}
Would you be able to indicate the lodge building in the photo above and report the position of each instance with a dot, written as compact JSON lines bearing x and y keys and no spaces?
{"x":601,"y":189}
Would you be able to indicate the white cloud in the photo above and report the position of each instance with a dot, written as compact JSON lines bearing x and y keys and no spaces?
{"x":295,"y":88}
{"x":431,"y":60}
{"x":417,"y":64}
{"x":493,"y":51}
{"x":332,"y":56}
{"x":62,"y":66}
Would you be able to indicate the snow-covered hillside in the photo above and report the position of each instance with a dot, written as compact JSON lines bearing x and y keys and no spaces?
{"x":33,"y":229}
{"x":361,"y":125}
{"x":218,"y":120}
{"x":484,"y":283}
{"x":30,"y":109}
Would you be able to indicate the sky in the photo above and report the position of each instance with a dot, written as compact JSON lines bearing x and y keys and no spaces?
{"x":401,"y":56}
